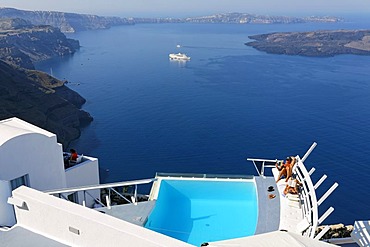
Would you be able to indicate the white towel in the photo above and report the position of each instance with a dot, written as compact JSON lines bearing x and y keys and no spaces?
{"x":293,"y":197}
{"x":292,"y":183}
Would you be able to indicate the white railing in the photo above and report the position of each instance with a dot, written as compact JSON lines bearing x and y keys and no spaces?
{"x":307,"y":194}
{"x":110,"y":187}
{"x":308,"y":197}
{"x":264,"y":163}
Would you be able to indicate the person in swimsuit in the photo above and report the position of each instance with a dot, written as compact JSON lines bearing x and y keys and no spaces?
{"x":293,"y":186}
{"x":285,"y":169}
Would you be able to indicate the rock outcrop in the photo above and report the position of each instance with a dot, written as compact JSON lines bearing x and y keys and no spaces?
{"x":22,"y":43}
{"x":314,"y":44}
{"x":336,"y":231}
{"x":42,"y":100}
{"x":32,"y":95}
{"x":66,"y":22}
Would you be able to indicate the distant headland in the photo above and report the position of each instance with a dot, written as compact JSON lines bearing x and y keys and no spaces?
{"x":314,"y":44}
{"x":71,"y":22}
{"x":66,"y":22}
{"x":22,"y":43}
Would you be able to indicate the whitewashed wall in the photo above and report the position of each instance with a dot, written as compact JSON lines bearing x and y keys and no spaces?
{"x":85,"y":173}
{"x":37,"y":155}
{"x":6,"y":211}
{"x":76,"y":225}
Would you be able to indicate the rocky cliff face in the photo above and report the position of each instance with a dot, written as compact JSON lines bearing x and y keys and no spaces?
{"x":22,"y":43}
{"x":70,"y":22}
{"x":66,"y":22}
{"x":41,"y":100}
{"x":318,"y":44}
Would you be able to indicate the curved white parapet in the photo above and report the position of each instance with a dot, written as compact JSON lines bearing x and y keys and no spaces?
{"x":361,"y":233}
{"x":299,"y":215}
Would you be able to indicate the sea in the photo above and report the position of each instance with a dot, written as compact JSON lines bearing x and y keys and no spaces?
{"x":228,"y":103}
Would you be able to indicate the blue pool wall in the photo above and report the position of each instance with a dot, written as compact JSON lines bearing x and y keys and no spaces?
{"x":202,"y":211}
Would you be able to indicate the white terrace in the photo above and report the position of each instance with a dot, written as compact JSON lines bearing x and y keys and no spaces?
{"x":29,"y":217}
{"x":299,"y":214}
{"x":296,"y":215}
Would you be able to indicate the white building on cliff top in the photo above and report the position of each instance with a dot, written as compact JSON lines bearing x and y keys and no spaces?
{"x":31,"y":156}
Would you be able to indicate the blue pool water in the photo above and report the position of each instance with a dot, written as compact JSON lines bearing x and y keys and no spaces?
{"x":202,"y":211}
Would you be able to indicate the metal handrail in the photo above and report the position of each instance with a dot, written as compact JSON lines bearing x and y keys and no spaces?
{"x":100,"y":186}
{"x":202,"y":175}
{"x":109,"y":186}
{"x":123,"y":197}
{"x":96,"y":199}
{"x":262,"y":171}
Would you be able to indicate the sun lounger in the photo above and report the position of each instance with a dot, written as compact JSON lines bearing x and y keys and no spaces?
{"x":293,"y":197}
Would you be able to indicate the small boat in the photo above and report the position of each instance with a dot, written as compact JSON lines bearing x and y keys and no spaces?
{"x":178,"y":46}
{"x":179,"y":56}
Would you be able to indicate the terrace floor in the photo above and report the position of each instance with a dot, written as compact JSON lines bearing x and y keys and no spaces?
{"x":291,"y":212}
{"x":268,"y":208}
{"x":134,"y":213}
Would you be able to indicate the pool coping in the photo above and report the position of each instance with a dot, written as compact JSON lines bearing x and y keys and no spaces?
{"x":268,"y":218}
{"x":268,"y":209}
{"x":268,"y":215}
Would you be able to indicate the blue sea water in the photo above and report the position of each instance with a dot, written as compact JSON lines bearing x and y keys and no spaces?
{"x":228,"y":103}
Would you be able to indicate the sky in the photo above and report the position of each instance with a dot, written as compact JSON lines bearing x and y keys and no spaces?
{"x":182,"y":8}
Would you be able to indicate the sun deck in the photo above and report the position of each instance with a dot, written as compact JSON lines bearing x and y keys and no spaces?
{"x":134,"y":213}
{"x":294,"y":214}
{"x":276,"y":211}
{"x":137,"y":213}
{"x":297,"y":215}
{"x":268,"y":209}
{"x":291,"y":209}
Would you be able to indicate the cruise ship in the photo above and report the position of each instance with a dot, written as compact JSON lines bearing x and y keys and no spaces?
{"x":45,"y":203}
{"x":179,"y":56}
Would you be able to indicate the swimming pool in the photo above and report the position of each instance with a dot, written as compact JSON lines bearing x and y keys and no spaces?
{"x":198,"y":211}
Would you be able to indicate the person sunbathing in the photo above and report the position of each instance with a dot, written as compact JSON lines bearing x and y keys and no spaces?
{"x":292,"y":186}
{"x":285,"y":169}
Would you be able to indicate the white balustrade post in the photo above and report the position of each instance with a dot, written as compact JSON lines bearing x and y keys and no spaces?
{"x":309,"y":151}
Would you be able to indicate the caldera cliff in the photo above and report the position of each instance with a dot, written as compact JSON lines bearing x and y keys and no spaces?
{"x":32,"y":95}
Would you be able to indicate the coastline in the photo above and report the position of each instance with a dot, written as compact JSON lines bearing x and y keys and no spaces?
{"x":314,"y":44}
{"x":36,"y":96}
